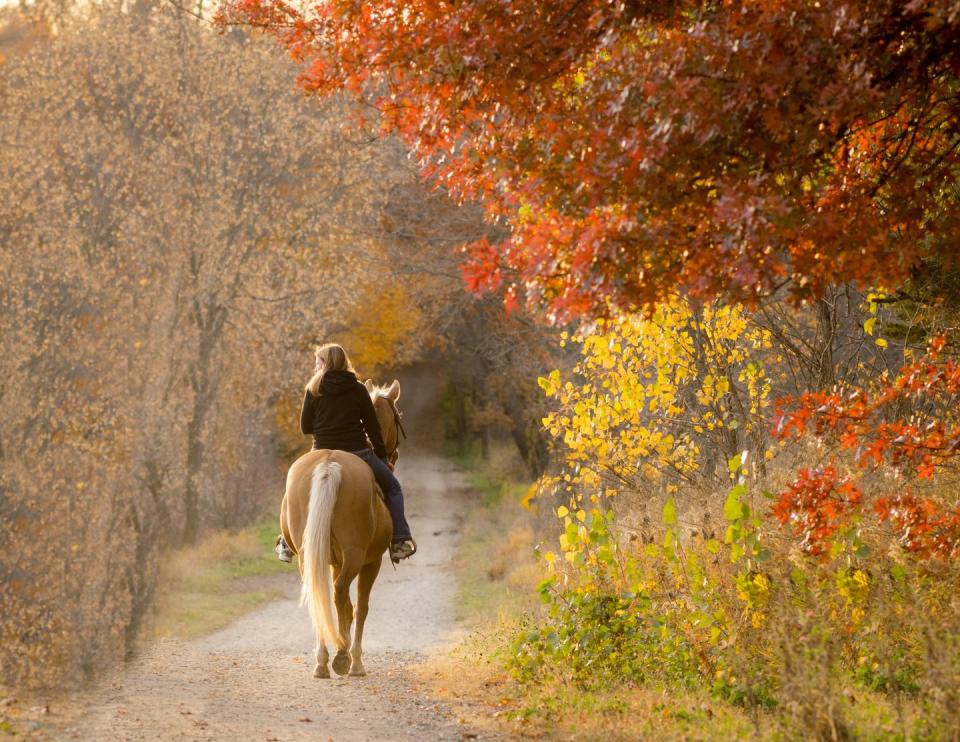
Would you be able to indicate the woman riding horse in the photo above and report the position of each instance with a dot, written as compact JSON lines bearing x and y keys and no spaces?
{"x":338,"y":412}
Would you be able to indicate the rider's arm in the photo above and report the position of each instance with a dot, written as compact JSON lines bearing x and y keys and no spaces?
{"x":306,"y":413}
{"x":368,"y":416}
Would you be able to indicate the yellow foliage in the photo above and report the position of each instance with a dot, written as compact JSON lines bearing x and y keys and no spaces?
{"x":653,"y":389}
{"x":382,"y":320}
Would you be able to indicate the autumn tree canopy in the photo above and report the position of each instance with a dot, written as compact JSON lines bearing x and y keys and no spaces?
{"x":728,"y":148}
{"x":170,"y":250}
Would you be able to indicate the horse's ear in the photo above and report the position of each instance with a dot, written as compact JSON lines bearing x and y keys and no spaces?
{"x":393,"y":392}
{"x":369,"y":385}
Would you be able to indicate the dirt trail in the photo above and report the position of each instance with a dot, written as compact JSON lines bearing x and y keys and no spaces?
{"x":252,"y":680}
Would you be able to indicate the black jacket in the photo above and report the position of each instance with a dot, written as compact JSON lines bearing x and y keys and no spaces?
{"x":341,"y":417}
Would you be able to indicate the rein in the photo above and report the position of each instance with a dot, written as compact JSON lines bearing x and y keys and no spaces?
{"x":396,"y":418}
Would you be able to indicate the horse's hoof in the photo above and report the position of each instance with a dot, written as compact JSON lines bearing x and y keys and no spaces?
{"x":321,"y":672}
{"x":341,"y":663}
{"x":357,"y":671}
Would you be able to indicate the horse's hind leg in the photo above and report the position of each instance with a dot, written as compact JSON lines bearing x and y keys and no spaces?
{"x":368,"y":576}
{"x":323,"y":657}
{"x":352,"y":561}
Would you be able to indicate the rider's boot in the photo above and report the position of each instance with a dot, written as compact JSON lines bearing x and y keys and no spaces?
{"x":402,"y":549}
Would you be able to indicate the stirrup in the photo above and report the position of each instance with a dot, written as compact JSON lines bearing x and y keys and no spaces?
{"x":402,"y":550}
{"x":284,"y":554}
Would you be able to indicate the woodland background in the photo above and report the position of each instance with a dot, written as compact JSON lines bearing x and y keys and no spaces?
{"x":714,"y":246}
{"x":178,"y":232}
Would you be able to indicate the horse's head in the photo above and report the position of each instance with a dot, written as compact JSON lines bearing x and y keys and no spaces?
{"x":385,"y":404}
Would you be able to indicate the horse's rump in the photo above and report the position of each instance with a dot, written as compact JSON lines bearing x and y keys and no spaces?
{"x":354,"y":507}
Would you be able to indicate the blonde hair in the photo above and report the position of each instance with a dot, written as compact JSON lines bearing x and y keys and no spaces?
{"x":334,"y":358}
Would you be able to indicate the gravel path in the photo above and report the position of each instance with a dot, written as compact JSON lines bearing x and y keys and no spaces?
{"x":252,"y":680}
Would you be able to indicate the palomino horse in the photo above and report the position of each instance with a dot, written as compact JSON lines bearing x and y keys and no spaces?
{"x":333,"y":516}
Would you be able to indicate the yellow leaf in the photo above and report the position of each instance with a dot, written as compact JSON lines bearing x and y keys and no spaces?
{"x":529,"y":497}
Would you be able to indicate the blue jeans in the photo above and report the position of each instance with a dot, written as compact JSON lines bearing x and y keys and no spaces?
{"x":391,"y":489}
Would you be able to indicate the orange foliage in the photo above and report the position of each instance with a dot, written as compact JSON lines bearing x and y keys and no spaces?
{"x":640,"y":147}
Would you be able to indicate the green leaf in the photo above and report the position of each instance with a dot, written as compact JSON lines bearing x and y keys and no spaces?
{"x":736,"y":551}
{"x":713,"y":546}
{"x":670,"y":512}
{"x":733,"y":508}
{"x":668,"y":539}
{"x":733,"y":465}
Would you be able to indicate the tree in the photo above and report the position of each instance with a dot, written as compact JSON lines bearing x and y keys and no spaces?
{"x":634,"y":149}
{"x":870,"y":432}
{"x":656,"y":402}
{"x":637,"y":147}
{"x":487,"y":356}
{"x":170,"y":247}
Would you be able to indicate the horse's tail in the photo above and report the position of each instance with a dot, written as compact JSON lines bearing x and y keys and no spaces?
{"x":317,"y":590}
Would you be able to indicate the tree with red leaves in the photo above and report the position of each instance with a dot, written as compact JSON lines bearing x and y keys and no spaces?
{"x":633,"y":147}
{"x":870,"y":433}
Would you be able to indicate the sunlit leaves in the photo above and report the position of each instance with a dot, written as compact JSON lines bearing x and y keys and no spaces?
{"x":725,"y":148}
{"x":650,"y":392}
{"x":871,"y":435}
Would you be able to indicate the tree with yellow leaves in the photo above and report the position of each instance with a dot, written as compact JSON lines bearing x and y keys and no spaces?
{"x":658,"y":399}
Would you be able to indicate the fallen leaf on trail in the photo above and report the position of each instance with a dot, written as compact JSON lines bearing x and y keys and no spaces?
{"x":306,"y":718}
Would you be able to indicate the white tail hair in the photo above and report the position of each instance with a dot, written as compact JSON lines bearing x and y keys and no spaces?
{"x":317,"y":589}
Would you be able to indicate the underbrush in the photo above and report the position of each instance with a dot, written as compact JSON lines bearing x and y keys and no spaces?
{"x":861,"y":643}
{"x":205,"y":587}
{"x":498,"y":572}
{"x":672,"y":631}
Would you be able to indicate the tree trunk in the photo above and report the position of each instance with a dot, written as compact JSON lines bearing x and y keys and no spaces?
{"x":204,"y":382}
